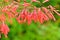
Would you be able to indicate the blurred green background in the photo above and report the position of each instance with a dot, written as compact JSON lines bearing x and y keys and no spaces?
{"x":35,"y":31}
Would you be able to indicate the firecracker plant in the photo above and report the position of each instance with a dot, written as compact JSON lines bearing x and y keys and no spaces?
{"x":28,"y":14}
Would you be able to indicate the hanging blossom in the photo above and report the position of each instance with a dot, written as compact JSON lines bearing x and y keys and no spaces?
{"x":4,"y":29}
{"x":53,"y":10}
{"x":41,"y":16}
{"x":13,"y":10}
{"x":28,"y":17}
{"x":22,"y":16}
{"x":34,"y":15}
{"x":5,"y":10}
{"x":2,"y":17}
{"x":10,"y":11}
{"x":48,"y":13}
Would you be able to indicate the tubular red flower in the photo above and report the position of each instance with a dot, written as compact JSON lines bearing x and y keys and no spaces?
{"x":2,"y":17}
{"x":29,"y":18}
{"x":5,"y":9}
{"x":4,"y":29}
{"x":40,"y":16}
{"x":13,"y":10}
{"x":10,"y":15}
{"x":22,"y":16}
{"x":34,"y":16}
{"x":48,"y":13}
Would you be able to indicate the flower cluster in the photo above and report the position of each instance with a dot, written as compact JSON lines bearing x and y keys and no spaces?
{"x":37,"y":15}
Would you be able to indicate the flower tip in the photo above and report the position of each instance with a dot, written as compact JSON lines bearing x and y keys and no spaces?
{"x":6,"y":36}
{"x":45,"y":1}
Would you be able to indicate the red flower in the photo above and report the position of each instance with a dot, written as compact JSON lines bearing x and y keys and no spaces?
{"x":2,"y":17}
{"x":29,"y":18}
{"x":4,"y":29}
{"x":13,"y":10}
{"x":34,"y":16}
{"x":48,"y":13}
{"x":10,"y":15}
{"x":22,"y":16}
{"x":41,"y":16}
{"x":5,"y":9}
